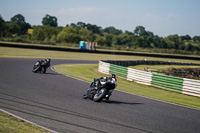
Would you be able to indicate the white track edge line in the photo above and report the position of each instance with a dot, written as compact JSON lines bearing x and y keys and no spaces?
{"x":52,"y":68}
{"x":32,"y":123}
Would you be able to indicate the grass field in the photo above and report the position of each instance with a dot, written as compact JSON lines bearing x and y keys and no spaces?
{"x":6,"y":52}
{"x":110,"y":49}
{"x":88,"y":72}
{"x":9,"y":124}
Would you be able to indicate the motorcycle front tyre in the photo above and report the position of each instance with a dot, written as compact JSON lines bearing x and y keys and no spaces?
{"x":36,"y":68}
{"x":43,"y":70}
{"x":100,"y":95}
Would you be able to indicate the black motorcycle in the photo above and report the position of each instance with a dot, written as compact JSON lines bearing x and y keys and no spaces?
{"x":104,"y":90}
{"x":41,"y":66}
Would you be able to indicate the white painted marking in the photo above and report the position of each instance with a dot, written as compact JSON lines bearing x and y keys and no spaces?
{"x":49,"y":130}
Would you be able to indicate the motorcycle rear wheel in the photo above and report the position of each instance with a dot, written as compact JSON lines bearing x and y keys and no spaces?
{"x":100,"y":95}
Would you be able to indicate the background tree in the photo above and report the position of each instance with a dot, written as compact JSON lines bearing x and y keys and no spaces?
{"x":2,"y":27}
{"x":50,"y":20}
{"x":140,"y":31}
{"x":74,"y":35}
{"x":18,"y":25}
{"x":108,"y":40}
{"x":150,"y":34}
{"x":112,"y":30}
{"x":85,"y":34}
{"x":18,"y":19}
{"x":189,"y":47}
{"x":73,"y":25}
{"x":45,"y":33}
{"x":100,"y":40}
{"x":95,"y":29}
{"x":196,"y":39}
{"x":49,"y":33}
{"x":13,"y":28}
{"x":123,"y":39}
{"x":173,"y":41}
{"x":38,"y":33}
{"x":159,"y":42}
{"x":81,"y":24}
{"x":185,"y":38}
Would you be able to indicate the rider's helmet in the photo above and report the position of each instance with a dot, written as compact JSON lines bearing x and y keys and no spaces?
{"x":113,"y":76}
{"x":48,"y":60}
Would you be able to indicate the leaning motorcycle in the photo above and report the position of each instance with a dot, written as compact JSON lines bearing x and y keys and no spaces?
{"x":104,"y":91}
{"x":41,"y":66}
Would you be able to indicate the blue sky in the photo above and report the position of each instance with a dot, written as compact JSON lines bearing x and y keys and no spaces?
{"x":162,"y":17}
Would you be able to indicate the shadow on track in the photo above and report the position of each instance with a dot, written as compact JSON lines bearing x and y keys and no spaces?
{"x":53,"y":73}
{"x":48,"y":73}
{"x":119,"y":102}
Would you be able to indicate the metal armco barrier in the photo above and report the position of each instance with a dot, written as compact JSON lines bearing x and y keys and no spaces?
{"x":146,"y":62}
{"x":172,"y":83}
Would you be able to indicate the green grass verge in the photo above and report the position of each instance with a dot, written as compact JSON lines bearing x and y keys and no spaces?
{"x":88,"y":72}
{"x":9,"y":124}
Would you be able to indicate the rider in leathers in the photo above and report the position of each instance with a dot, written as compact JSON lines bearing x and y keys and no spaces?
{"x":96,"y":84}
{"x":45,"y":63}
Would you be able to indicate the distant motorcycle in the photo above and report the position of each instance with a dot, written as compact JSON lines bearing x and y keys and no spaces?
{"x":104,"y":90}
{"x":41,"y":66}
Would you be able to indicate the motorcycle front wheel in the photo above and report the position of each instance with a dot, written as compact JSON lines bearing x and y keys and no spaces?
{"x":43,"y":70}
{"x":100,"y":95}
{"x":36,"y":68}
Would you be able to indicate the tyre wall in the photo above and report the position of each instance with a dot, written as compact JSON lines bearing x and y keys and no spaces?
{"x":146,"y":62}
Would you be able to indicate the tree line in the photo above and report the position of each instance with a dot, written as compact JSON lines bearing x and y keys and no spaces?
{"x":110,"y":37}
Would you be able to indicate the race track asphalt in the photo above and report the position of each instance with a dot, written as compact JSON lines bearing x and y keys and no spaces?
{"x":54,"y":101}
